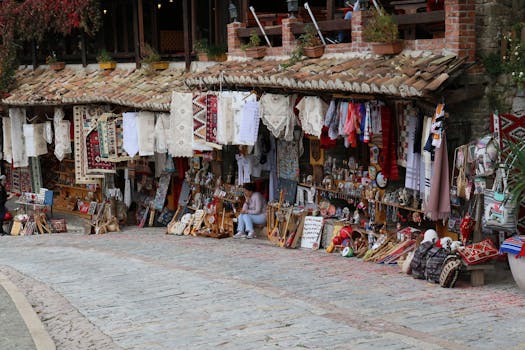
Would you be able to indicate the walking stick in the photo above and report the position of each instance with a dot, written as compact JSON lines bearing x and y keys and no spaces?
{"x":260,"y":26}
{"x":307,"y":7}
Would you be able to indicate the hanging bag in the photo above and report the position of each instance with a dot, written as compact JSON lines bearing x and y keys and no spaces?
{"x":500,"y":209}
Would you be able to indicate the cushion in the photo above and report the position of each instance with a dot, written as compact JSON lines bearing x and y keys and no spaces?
{"x":479,"y":252}
{"x":449,"y":274}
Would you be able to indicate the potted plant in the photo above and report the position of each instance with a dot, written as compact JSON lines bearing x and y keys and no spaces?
{"x":201,"y":49}
{"x":381,"y":30}
{"x":54,"y":63}
{"x":253,"y":48}
{"x":105,"y":61}
{"x":152,"y":59}
{"x":310,"y":43}
{"x":217,"y":53}
{"x":514,"y":60}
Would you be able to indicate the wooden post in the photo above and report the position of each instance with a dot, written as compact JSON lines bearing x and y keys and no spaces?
{"x":193,"y":21}
{"x":154,"y":27}
{"x":33,"y":55}
{"x":141,"y":27}
{"x":83,"y":49}
{"x":186,"y":28}
{"x":330,"y":9}
{"x":243,"y":12}
{"x":136,"y":39}
{"x":210,"y":23}
{"x":114,"y":14}
{"x":216,"y":20}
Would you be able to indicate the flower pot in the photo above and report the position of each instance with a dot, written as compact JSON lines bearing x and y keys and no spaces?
{"x":313,"y":51}
{"x":256,"y":52}
{"x":392,"y":48}
{"x":56,"y":66}
{"x":160,"y":65}
{"x":517,"y":267}
{"x":107,"y":65}
{"x":203,"y":57}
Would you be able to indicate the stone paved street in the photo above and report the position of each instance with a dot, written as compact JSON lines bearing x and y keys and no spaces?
{"x":151,"y":291}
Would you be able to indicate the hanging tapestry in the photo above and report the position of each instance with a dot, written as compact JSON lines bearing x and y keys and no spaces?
{"x":130,"y":134}
{"x":105,"y":139}
{"x":146,"y":133}
{"x":18,"y":118}
{"x":513,"y":128}
{"x":20,"y":180}
{"x":6,"y":127}
{"x":288,"y":160}
{"x":95,"y":164}
{"x":36,"y":174}
{"x":181,"y":125}
{"x":211,"y":117}
{"x":403,"y":134}
{"x":84,"y":119}
{"x":199,"y":120}
{"x":224,"y":119}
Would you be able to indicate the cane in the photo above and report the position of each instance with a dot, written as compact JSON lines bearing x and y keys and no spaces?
{"x":260,"y":26}
{"x":307,"y":7}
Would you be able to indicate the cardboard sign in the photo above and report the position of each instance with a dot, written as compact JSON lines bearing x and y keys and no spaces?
{"x":312,"y":232}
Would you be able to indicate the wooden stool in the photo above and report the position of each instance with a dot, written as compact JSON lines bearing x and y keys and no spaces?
{"x":477,"y":273}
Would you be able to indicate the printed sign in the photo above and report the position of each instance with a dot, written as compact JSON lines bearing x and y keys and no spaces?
{"x":312,"y":232}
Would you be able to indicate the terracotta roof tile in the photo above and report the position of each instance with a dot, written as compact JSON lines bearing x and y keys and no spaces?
{"x":401,"y":75}
{"x":123,"y":86}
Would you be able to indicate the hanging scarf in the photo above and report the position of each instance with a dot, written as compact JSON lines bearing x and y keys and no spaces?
{"x":438,"y":206}
{"x":62,"y":134}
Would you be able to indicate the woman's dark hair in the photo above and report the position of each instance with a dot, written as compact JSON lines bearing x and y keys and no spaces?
{"x":250,"y":186}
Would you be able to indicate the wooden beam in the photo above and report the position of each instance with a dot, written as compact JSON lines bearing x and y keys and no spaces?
{"x":420,"y":18}
{"x":270,"y":30}
{"x":325,"y":26}
{"x":136,"y":36}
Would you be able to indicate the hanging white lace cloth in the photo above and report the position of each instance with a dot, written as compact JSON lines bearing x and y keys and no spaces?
{"x":181,"y":125}
{"x":275,"y":112}
{"x":146,"y":133}
{"x":34,"y":139}
{"x":249,"y":127}
{"x":7,"y":147}
{"x":130,"y":137}
{"x":62,"y":134}
{"x":224,"y":118}
{"x":161,"y":129}
{"x":312,"y":111}
{"x":18,"y":118}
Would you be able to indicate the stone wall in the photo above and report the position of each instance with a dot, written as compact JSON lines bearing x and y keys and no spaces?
{"x":493,"y":17}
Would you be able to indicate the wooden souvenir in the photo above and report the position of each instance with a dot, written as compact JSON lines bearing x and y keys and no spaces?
{"x":316,"y":152}
{"x":16,"y":228}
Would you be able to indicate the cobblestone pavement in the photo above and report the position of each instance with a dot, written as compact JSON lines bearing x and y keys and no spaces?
{"x":145,"y":290}
{"x":14,"y":334}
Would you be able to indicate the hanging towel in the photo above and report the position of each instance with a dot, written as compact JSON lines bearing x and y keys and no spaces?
{"x":249,"y":128}
{"x":181,"y":125}
{"x":239,"y":99}
{"x":330,"y":113}
{"x":438,"y":207}
{"x":131,"y":141}
{"x":312,"y":112}
{"x":18,"y":118}
{"x":6,"y":127}
{"x":48,"y":132}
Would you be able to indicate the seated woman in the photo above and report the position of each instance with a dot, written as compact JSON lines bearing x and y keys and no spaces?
{"x":253,"y":212}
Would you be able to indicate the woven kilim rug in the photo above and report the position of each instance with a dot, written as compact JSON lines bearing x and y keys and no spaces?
{"x":513,"y":128}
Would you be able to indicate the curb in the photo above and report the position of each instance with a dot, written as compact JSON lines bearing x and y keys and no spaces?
{"x":39,"y":334}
